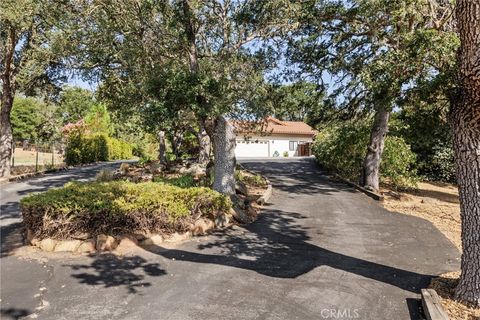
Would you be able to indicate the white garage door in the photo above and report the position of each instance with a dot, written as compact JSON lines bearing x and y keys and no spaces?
{"x":253,"y":148}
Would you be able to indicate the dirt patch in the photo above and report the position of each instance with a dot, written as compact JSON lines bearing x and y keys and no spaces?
{"x":439,"y":204}
{"x":27,"y":169}
{"x":435,"y":202}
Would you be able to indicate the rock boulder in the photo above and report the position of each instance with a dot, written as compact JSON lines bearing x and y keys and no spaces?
{"x":106,"y":243}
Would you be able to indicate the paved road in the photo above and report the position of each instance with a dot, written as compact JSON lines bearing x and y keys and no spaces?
{"x":320,"y":250}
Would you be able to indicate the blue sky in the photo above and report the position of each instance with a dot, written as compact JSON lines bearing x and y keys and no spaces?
{"x":76,"y":81}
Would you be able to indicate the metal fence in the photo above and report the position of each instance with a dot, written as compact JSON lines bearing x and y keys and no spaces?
{"x":27,"y":157}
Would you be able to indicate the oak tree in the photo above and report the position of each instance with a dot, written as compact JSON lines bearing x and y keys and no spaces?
{"x":465,"y":122}
{"x":33,"y":34}
{"x":376,"y":52}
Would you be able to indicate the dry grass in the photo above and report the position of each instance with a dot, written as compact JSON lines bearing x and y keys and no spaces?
{"x":435,"y":202}
{"x":439,"y":204}
{"x":445,"y":287}
{"x":24,"y":157}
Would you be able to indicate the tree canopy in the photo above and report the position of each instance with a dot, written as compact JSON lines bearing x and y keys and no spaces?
{"x":377,"y":51}
{"x":74,"y":104}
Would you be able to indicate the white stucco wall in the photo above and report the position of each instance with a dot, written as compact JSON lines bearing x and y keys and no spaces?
{"x":265,"y":146}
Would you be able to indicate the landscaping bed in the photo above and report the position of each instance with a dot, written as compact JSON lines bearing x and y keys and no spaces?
{"x":250,"y":187}
{"x":159,"y":206}
{"x":439,"y":204}
{"x":86,"y":210}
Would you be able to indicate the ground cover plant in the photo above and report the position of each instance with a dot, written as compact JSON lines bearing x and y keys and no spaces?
{"x":183,"y":181}
{"x":250,"y":179}
{"x":118,"y":207}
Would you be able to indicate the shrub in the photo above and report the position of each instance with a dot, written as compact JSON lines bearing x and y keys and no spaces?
{"x":342,"y":148}
{"x":138,"y":150}
{"x":82,"y":148}
{"x":186,"y":181}
{"x":73,"y":150}
{"x":253,"y":180}
{"x":171,"y":157}
{"x":147,"y":147}
{"x":144,"y":160}
{"x":425,"y":128}
{"x":441,"y":166}
{"x":285,"y":154}
{"x":397,"y":163}
{"x":118,"y":149}
{"x":96,"y":148}
{"x":118,"y":207}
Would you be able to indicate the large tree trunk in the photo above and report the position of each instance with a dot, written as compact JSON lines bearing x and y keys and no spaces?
{"x":465,"y":121}
{"x":371,"y":164}
{"x":6,"y":138}
{"x":7,"y":94}
{"x":177,"y":140}
{"x":162,"y":147}
{"x":224,"y":170}
{"x":204,"y":144}
{"x":189,"y":24}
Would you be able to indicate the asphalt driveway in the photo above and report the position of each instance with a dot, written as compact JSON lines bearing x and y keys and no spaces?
{"x":320,"y":250}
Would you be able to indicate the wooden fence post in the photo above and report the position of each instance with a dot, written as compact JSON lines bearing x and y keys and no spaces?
{"x":36,"y":159}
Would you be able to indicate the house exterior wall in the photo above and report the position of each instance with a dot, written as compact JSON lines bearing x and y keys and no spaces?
{"x":265,"y":146}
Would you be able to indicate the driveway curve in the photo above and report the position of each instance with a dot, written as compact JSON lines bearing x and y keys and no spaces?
{"x":320,"y":250}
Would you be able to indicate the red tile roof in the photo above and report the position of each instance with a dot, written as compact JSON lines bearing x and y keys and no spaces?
{"x":274,"y":126}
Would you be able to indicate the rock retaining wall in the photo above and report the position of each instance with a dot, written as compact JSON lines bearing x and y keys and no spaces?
{"x":126,"y":243}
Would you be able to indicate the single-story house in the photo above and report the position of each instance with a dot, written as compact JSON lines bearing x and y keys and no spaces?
{"x":273,"y":138}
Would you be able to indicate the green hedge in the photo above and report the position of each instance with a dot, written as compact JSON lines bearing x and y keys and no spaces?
{"x":92,"y":148}
{"x":342,"y":149}
{"x":118,"y":207}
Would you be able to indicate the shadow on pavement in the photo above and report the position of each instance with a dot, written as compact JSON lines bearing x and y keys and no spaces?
{"x":11,"y":236}
{"x":276,"y":246}
{"x":300,"y":176}
{"x":14,"y":313}
{"x":109,"y":270}
{"x":56,"y":180}
{"x":415,"y":309}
